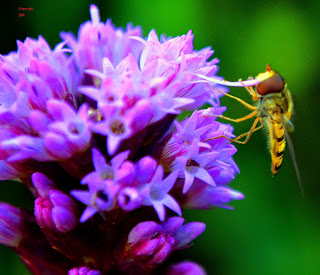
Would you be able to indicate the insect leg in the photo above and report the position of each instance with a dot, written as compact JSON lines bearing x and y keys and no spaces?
{"x":250,"y":90}
{"x":237,"y":119}
{"x":236,"y":98}
{"x":248,"y":134}
{"x":253,"y":129}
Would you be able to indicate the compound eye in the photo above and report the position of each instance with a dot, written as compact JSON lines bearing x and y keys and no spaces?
{"x":274,"y":84}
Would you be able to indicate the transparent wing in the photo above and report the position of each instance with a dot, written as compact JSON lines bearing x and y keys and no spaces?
{"x":289,"y":125}
{"x":285,"y":123}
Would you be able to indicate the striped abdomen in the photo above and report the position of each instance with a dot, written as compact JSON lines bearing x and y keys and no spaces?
{"x":277,"y":144}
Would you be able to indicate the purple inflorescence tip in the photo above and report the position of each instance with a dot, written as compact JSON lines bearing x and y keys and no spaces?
{"x":185,"y":268}
{"x":83,"y":271}
{"x":158,"y":241}
{"x":54,"y":210}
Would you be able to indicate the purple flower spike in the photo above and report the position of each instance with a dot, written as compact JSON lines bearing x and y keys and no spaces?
{"x":156,"y":193}
{"x":83,"y":271}
{"x":185,"y":268}
{"x":91,"y":127}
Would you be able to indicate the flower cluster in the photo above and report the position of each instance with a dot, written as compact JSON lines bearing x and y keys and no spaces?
{"x":91,"y":128}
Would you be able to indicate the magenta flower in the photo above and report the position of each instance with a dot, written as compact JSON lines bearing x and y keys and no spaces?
{"x":156,"y":192}
{"x":186,"y":268}
{"x":90,"y":128}
{"x":150,"y":243}
{"x":54,"y":210}
{"x":83,"y":270}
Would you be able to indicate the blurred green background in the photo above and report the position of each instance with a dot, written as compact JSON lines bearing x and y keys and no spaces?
{"x":272,"y":231}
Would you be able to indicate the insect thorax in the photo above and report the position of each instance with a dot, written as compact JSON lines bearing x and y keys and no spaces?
{"x":270,"y":105}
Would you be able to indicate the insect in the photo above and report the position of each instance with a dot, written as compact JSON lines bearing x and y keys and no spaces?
{"x":275,"y":108}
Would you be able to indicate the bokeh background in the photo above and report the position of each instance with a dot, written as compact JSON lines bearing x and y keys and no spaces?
{"x":274,"y":230}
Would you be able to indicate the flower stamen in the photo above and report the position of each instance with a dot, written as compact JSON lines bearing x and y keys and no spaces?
{"x":117,"y":127}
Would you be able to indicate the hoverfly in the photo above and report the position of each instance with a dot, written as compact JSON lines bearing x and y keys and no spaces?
{"x":274,"y":107}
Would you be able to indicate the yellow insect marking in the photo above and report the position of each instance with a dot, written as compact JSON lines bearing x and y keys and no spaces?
{"x":265,"y":75}
{"x":277,"y":144}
